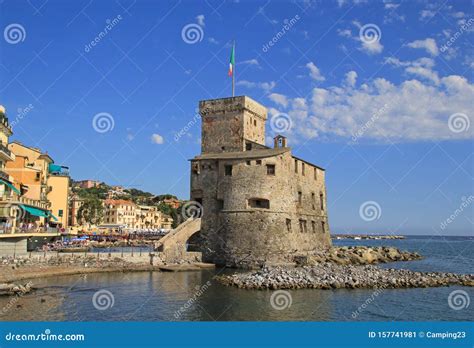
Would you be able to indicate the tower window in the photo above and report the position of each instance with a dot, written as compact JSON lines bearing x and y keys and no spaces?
{"x":288,"y":225}
{"x":300,"y":197}
{"x":248,"y":163}
{"x":315,"y":174}
{"x":270,"y":169}
{"x":228,"y":170}
{"x":321,"y":200}
{"x":255,"y":123}
{"x":248,"y":146}
{"x":259,"y":203}
{"x":296,"y":166}
{"x":220,"y":204}
{"x":323,"y":226}
{"x":302,"y":168}
{"x":258,"y":162}
{"x":313,"y":226}
{"x":313,"y":200}
{"x":302,"y":226}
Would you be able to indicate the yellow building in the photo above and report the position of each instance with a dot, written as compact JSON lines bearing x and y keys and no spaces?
{"x":119,"y":212}
{"x":42,"y":184}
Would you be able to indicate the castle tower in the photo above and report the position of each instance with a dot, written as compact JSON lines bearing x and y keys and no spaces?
{"x":232,"y":124}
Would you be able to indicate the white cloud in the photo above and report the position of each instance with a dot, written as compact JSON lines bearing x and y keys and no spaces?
{"x":157,"y":139}
{"x":427,"y":14}
{"x":279,"y":99}
{"x":422,"y":67}
{"x":372,"y":47}
{"x":314,"y":72}
{"x":200,"y":20}
{"x":351,"y":78}
{"x":344,"y":33}
{"x":428,"y":44}
{"x":250,"y":62}
{"x":213,"y":41}
{"x":381,"y":110}
{"x":266,"y":86}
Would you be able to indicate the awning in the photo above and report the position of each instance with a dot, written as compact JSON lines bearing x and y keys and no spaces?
{"x":51,"y":215}
{"x":10,"y":185}
{"x":35,"y":211}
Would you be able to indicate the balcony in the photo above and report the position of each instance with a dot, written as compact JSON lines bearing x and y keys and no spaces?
{"x":15,"y":199}
{"x":6,"y":154}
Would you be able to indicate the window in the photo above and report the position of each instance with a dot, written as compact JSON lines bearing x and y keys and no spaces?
{"x":302,"y":168}
{"x":220,"y":204}
{"x":60,"y":212}
{"x":300,"y":197}
{"x":302,"y":226}
{"x":248,"y":146}
{"x":258,"y":162}
{"x":296,"y":166}
{"x":255,"y":123}
{"x":315,"y":174}
{"x":313,"y":226}
{"x":248,"y":163}
{"x":323,"y":226}
{"x":38,"y":176}
{"x":313,"y":200}
{"x":321,"y":200}
{"x":259,"y":203}
{"x":288,"y":225}
{"x":228,"y":170}
{"x":270,"y":169}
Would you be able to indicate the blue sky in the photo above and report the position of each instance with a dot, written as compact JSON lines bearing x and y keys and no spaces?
{"x":378,"y":93}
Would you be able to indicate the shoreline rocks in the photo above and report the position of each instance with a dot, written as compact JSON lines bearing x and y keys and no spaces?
{"x":360,"y":255}
{"x":328,"y":275}
{"x":8,"y":289}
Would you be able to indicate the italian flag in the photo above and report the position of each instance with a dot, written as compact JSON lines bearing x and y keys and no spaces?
{"x":232,"y":61}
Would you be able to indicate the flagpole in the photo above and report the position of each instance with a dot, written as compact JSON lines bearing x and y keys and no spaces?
{"x":233,"y":73}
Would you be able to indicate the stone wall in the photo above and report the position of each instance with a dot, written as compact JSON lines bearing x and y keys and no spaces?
{"x":13,"y":246}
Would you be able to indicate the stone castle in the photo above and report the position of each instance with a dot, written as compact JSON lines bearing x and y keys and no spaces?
{"x":259,"y":204}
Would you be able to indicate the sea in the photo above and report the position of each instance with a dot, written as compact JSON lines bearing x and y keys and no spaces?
{"x":196,"y":296}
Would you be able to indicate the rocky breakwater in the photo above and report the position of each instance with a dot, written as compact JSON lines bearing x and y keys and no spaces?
{"x":359,"y":255}
{"x":328,"y":275}
{"x":7,"y":289}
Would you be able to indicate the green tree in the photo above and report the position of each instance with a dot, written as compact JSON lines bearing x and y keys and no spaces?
{"x":91,"y":211}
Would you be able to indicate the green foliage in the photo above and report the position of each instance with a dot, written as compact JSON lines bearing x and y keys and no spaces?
{"x":91,"y":211}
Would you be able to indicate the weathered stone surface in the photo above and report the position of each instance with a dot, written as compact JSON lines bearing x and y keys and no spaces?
{"x":290,"y":218}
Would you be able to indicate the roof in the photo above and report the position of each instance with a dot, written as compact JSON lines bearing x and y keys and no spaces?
{"x":311,"y":164}
{"x":244,"y":154}
{"x":118,"y":202}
